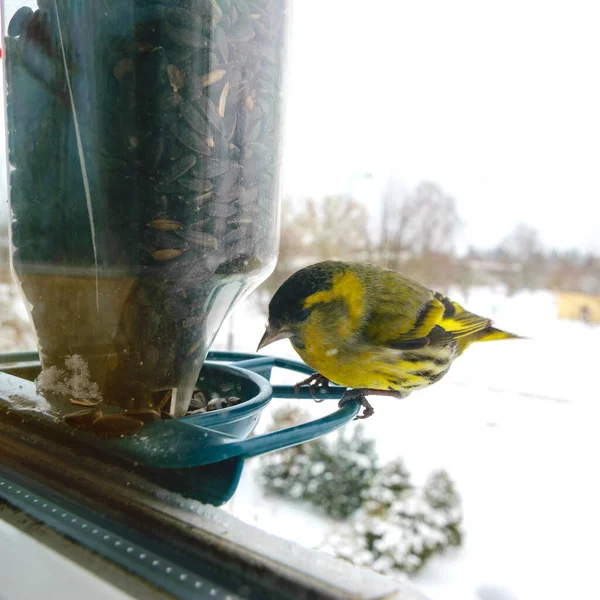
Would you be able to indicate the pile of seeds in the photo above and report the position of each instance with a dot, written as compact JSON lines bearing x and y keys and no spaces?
{"x":132,"y":420}
{"x":144,"y":136}
{"x":201,"y":403}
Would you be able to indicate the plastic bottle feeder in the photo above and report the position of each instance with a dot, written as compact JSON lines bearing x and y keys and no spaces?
{"x":144,"y":142}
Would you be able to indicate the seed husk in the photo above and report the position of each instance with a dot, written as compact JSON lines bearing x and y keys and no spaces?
{"x":175,"y":78}
{"x":83,"y":419}
{"x":216,"y":404}
{"x":212,"y":77}
{"x":198,"y":400}
{"x":249,"y":102}
{"x":201,"y":198}
{"x":165,"y":225}
{"x":223,"y":100}
{"x":147,"y":415}
{"x":123,"y":68}
{"x":78,"y":402}
{"x":116,"y":426}
{"x":167,"y":253}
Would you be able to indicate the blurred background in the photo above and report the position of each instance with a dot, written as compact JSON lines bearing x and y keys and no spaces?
{"x":458,"y":143}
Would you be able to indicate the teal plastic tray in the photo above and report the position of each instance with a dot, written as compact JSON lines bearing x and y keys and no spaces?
{"x":200,"y":456}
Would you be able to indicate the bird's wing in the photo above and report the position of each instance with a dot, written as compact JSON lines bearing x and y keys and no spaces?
{"x":458,"y":321}
{"x":439,"y":320}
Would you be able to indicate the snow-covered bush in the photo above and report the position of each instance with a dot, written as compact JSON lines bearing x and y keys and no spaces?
{"x":394,"y":527}
{"x":332,"y":473}
{"x":398,"y":531}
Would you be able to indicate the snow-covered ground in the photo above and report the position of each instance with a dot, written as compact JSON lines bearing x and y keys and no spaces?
{"x":514,"y":424}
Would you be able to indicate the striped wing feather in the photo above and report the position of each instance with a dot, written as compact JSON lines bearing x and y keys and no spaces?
{"x":439,"y":321}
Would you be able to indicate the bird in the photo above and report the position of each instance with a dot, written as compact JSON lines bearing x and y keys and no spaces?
{"x":371,"y":330}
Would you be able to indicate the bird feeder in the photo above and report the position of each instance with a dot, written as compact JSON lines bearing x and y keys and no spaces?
{"x":144,"y":140}
{"x":143,"y":150}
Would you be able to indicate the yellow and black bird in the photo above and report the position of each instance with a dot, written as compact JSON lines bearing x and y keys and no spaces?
{"x":371,"y":329}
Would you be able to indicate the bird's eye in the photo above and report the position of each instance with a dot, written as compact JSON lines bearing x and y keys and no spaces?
{"x":303,"y":314}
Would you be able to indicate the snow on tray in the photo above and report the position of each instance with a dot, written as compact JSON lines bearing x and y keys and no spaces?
{"x":73,"y":381}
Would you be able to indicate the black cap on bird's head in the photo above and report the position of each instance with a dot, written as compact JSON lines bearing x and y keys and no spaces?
{"x":286,"y":309}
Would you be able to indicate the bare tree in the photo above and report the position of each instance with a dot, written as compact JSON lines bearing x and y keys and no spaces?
{"x":334,"y":227}
{"x":419,"y":232}
{"x":522,"y":248}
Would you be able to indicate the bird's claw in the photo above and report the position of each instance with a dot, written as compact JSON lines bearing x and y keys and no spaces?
{"x":314,"y":381}
{"x":361,"y":396}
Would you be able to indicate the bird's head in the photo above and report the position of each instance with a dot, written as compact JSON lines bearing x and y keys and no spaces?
{"x":307,"y":298}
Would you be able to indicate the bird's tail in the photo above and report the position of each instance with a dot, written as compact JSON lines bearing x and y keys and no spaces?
{"x":490,"y":334}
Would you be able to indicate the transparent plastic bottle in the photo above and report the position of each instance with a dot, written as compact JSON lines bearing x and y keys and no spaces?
{"x":143,"y":149}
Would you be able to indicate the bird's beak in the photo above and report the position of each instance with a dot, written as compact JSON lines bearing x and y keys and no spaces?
{"x":272,"y":334}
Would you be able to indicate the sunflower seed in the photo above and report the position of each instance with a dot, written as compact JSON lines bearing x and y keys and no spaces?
{"x":175,"y":78}
{"x":194,"y":117}
{"x":146,"y":415}
{"x":199,"y":238}
{"x":212,"y":77}
{"x":167,"y":253}
{"x":216,"y":404}
{"x":186,"y":37}
{"x":196,"y":184}
{"x":116,"y":426}
{"x":252,"y":134}
{"x":165,"y":225}
{"x":242,"y":32}
{"x":169,"y":101}
{"x":201,"y":198}
{"x":179,"y":168}
{"x":83,"y":419}
{"x":191,"y":139}
{"x":211,"y":112}
{"x":223,"y":100}
{"x":123,"y":68}
{"x":221,"y":210}
{"x":180,"y":17}
{"x":198,"y":400}
{"x":213,"y":167}
{"x":85,"y":402}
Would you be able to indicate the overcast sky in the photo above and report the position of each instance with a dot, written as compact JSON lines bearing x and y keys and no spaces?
{"x":499,"y":103}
